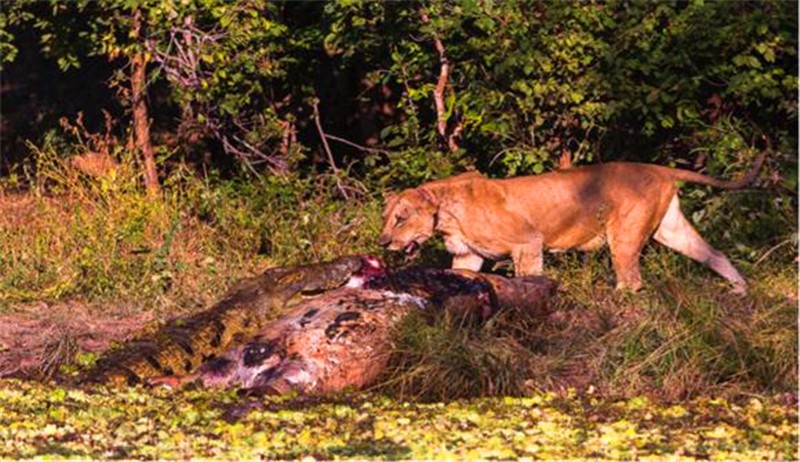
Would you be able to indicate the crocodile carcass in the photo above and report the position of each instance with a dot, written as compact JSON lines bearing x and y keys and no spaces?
{"x":183,"y":344}
{"x":334,"y":338}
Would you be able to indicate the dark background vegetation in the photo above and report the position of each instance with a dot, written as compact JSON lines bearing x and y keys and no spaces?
{"x":276,"y":128}
{"x":690,"y":83}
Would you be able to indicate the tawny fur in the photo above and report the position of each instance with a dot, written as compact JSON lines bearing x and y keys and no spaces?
{"x":619,"y":204}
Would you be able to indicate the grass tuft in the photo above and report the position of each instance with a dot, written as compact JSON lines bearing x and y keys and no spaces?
{"x":440,"y":360}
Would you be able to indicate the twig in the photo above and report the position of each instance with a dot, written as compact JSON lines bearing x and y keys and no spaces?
{"x":287,"y":137}
{"x":357,"y":146}
{"x":454,"y":135}
{"x":497,"y":156}
{"x":774,"y":248}
{"x":315,"y":105}
{"x":231,"y":149}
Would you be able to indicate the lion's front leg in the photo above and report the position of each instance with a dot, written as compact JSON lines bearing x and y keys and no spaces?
{"x":528,"y":259}
{"x":468,"y":261}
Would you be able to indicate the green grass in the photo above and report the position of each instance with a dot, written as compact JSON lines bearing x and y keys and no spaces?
{"x":683,"y":339}
{"x":105,"y":239}
{"x":135,"y":423}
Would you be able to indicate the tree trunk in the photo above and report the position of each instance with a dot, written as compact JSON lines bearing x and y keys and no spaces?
{"x":141,"y":119}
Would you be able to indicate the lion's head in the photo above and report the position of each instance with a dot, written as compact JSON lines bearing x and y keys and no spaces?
{"x":409,"y":219}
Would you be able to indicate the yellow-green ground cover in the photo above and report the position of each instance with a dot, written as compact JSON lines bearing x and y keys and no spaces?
{"x":51,"y":422}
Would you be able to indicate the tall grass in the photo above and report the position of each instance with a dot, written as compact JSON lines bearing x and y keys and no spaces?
{"x":684,"y":335}
{"x":103,"y":238}
{"x":443,"y":359}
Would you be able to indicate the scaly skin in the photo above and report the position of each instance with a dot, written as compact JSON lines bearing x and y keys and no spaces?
{"x":182,"y":345}
{"x":343,"y":337}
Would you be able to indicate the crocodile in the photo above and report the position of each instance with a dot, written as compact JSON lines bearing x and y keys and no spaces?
{"x":343,"y":338}
{"x":182,"y":345}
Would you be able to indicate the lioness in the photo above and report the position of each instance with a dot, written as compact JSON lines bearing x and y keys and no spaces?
{"x":621,"y":204}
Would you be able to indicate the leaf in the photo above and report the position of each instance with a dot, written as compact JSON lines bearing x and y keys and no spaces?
{"x":394,"y":142}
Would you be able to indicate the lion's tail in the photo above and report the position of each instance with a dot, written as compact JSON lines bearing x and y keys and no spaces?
{"x":694,"y":177}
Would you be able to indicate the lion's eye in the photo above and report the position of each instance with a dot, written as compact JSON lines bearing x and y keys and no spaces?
{"x":399,"y":221}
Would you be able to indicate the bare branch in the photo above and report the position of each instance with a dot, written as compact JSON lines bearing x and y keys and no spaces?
{"x":315,"y":105}
{"x":357,"y":146}
{"x":245,"y":152}
{"x":441,"y":87}
{"x":455,"y":135}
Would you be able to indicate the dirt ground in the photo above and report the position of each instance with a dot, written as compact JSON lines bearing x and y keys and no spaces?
{"x":36,"y":339}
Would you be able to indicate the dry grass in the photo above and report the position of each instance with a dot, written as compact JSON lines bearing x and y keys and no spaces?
{"x":37,"y":342}
{"x":101,"y":240}
{"x":683,"y":336}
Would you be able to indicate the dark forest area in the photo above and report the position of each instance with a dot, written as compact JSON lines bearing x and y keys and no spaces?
{"x":421,"y":90}
{"x":154,"y":153}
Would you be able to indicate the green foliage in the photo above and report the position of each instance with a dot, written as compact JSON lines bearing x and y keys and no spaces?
{"x":611,"y":80}
{"x":42,"y":421}
{"x":527,"y":80}
{"x":518,"y":93}
{"x":680,"y":67}
{"x":651,"y":81}
{"x":11,"y":15}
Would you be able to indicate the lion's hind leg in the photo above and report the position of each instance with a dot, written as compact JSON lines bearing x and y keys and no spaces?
{"x":626,"y":234}
{"x":678,"y":234}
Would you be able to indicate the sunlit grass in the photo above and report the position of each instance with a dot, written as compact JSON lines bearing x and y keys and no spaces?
{"x":104,"y":239}
{"x":683,"y":335}
{"x":134,"y":423}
